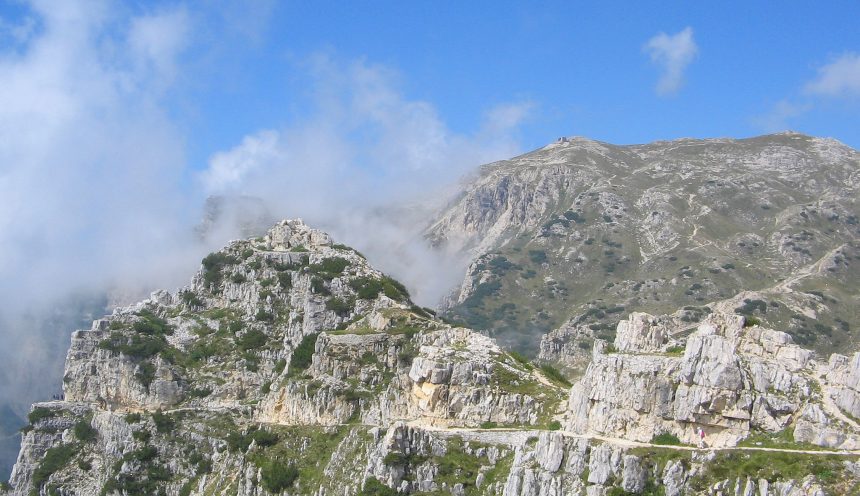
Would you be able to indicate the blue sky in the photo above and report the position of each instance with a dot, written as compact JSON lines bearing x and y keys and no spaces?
{"x":581,"y":66}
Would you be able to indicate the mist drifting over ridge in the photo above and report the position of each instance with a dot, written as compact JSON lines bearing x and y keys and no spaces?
{"x":101,"y":202}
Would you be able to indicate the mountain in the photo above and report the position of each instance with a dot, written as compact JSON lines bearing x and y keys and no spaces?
{"x":289,"y":365}
{"x":571,"y":237}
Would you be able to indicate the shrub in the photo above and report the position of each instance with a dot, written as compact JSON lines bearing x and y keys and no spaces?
{"x":338,"y":305}
{"x":142,"y":436}
{"x":666,"y":438}
{"x":264,"y":316}
{"x":285,"y":280}
{"x":84,"y":431}
{"x":132,"y":418}
{"x":190,"y":299}
{"x":372,"y":487}
{"x":54,"y":459}
{"x":303,"y":354}
{"x":367,"y":288}
{"x":537,"y":256}
{"x":40,"y":413}
{"x":163,"y":422}
{"x":278,"y":476}
{"x":394,"y":289}
{"x":280,"y":365}
{"x":519,"y":357}
{"x":489,"y":425}
{"x":252,"y":339}
{"x":328,"y":268}
{"x":318,"y":286}
{"x":554,"y":425}
{"x":213,"y":265}
{"x":145,"y":374}
{"x":238,"y":278}
{"x":134,"y":346}
{"x":751,"y":321}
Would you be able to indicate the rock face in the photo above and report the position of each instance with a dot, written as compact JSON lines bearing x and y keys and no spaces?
{"x":578,"y":233}
{"x":281,"y":344}
{"x":731,"y":381}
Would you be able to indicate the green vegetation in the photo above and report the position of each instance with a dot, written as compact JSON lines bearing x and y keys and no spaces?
{"x":213,"y":265}
{"x":145,"y":374}
{"x":237,"y":442}
{"x":132,"y":418}
{"x":163,"y":422}
{"x":339,"y":305}
{"x":84,"y":431}
{"x":368,"y":288}
{"x":329,"y":268}
{"x":251,"y":340}
{"x":667,"y":439}
{"x":40,"y":413}
{"x":675,"y":350}
{"x":303,"y":354}
{"x":278,"y":475}
{"x":318,"y":286}
{"x":372,"y":487}
{"x":555,"y":375}
{"x":771,"y":466}
{"x":55,"y":459}
{"x":554,"y":425}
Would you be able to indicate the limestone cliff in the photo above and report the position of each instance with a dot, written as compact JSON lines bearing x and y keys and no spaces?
{"x":290,"y":366}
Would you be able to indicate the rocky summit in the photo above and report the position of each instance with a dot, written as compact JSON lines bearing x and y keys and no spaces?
{"x":691,"y":306}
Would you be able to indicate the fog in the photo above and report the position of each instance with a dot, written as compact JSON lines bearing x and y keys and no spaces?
{"x":100,"y":202}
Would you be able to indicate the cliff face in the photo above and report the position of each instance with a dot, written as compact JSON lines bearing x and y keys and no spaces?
{"x":290,"y":366}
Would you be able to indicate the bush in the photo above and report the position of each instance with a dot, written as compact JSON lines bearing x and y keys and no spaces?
{"x":285,"y":280}
{"x":163,"y":422}
{"x":213,"y":265}
{"x":537,"y":256}
{"x":252,"y":339}
{"x":318,"y":286}
{"x":134,"y":346}
{"x":367,"y":288}
{"x":394,"y":289}
{"x":372,"y":487}
{"x":554,"y":425}
{"x":145,"y":374}
{"x":142,"y":436}
{"x":84,"y":431}
{"x":338,"y":306}
{"x":303,"y":354}
{"x":330,"y":267}
{"x":278,"y":476}
{"x":264,"y":316}
{"x":132,"y":418}
{"x":667,"y":439}
{"x":54,"y":459}
{"x":40,"y":413}
{"x":751,"y":321}
{"x":489,"y":425}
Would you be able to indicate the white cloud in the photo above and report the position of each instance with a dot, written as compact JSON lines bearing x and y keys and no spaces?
{"x":90,"y":172}
{"x":840,"y":78}
{"x":778,"y":118}
{"x":364,"y":164}
{"x":673,"y":53}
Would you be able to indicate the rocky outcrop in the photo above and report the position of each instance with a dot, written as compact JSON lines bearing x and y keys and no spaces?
{"x":730,"y":381}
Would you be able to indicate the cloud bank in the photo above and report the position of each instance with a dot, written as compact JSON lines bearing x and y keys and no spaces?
{"x":672,"y":53}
